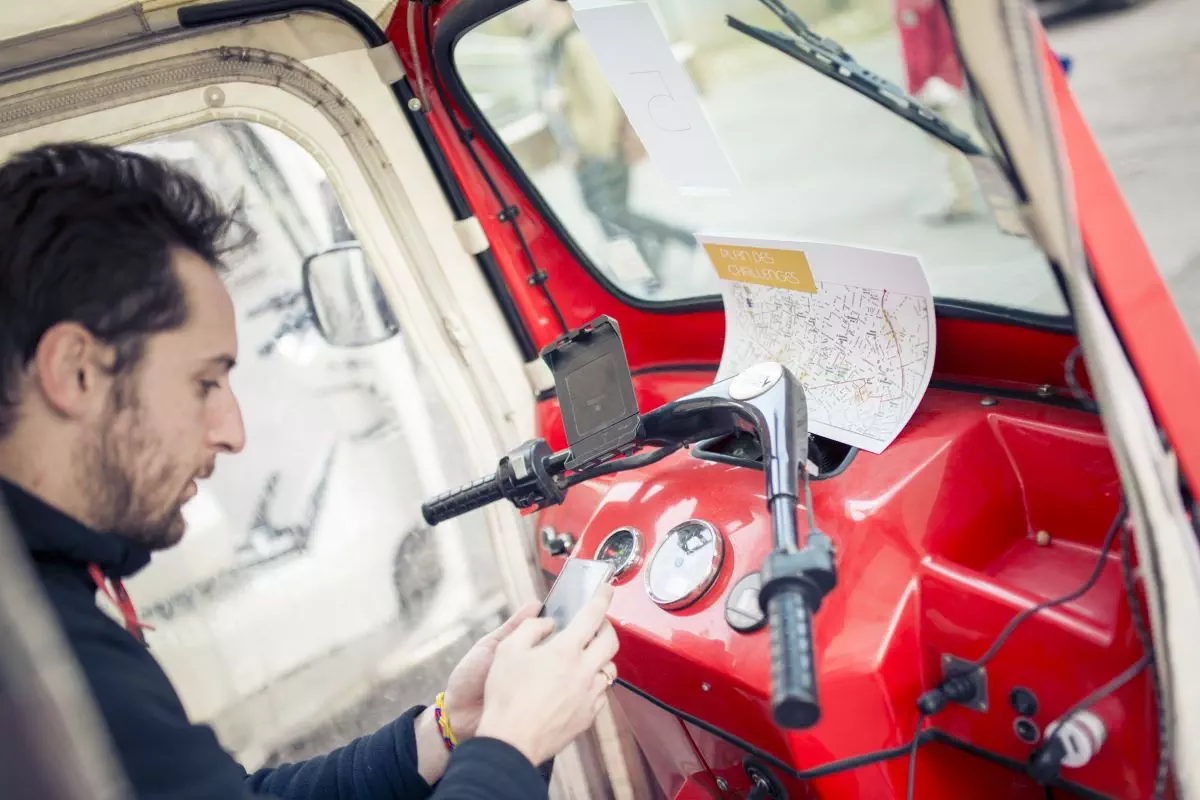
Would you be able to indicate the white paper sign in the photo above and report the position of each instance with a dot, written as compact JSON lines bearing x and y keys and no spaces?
{"x":657,"y":95}
{"x":855,"y":326}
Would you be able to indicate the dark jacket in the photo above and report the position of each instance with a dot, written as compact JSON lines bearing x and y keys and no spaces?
{"x":166,"y":756}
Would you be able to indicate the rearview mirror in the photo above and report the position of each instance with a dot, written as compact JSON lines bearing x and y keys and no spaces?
{"x":345,"y":298}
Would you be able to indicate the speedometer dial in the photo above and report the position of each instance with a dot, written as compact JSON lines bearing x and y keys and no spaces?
{"x":622,"y":548}
{"x":685,"y":565}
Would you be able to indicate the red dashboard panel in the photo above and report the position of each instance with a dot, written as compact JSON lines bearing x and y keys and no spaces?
{"x":938,"y":548}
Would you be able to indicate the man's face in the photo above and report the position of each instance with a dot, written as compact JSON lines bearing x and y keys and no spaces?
{"x":168,"y":419}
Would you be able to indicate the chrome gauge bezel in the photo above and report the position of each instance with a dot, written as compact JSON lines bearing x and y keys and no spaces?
{"x":699,"y":588}
{"x":635,"y":556}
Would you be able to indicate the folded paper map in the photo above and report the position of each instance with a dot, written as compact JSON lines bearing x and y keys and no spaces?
{"x":855,"y":326}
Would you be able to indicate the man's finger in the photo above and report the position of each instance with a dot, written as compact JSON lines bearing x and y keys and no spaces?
{"x":588,"y":621}
{"x":527,"y":611}
{"x":601,"y":650}
{"x":530,"y":631}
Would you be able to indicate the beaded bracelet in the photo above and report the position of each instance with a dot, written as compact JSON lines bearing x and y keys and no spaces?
{"x":443,"y":722}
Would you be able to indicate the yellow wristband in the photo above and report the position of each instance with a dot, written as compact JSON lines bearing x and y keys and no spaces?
{"x":443,"y":722}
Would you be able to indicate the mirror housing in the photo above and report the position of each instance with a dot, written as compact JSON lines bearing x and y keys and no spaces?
{"x":345,"y":298}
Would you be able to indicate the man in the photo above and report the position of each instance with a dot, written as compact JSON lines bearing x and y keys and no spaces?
{"x":117,"y":337}
{"x":592,"y":131}
{"x":935,"y":77}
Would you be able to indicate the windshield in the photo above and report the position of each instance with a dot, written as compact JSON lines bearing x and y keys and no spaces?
{"x":816,"y":160}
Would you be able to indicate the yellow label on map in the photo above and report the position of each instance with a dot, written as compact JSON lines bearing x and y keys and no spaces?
{"x":780,"y":269}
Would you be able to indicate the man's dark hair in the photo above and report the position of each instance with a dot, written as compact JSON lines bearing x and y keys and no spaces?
{"x":86,"y":234}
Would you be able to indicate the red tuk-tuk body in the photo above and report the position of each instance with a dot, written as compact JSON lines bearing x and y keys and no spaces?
{"x":997,"y":496}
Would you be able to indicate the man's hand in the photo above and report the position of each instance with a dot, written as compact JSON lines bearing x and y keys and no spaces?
{"x":540,"y":694}
{"x":464,"y":699}
{"x":464,"y":689}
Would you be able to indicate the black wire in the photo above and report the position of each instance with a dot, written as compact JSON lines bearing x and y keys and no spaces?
{"x":1147,"y":641}
{"x":830,"y":768}
{"x":808,"y":504}
{"x":912,"y":759}
{"x":1066,"y":598}
{"x":1069,"y":368}
{"x":1104,"y":691}
{"x":846,"y":764}
{"x":622,"y":464}
{"x":508,"y":212}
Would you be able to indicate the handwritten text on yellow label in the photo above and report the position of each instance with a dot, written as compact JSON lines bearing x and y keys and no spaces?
{"x":781,"y":269}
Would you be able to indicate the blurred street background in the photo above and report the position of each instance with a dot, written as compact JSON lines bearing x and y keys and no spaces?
{"x":1135,"y":76}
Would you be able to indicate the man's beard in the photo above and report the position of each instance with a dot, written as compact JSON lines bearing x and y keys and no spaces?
{"x":129,"y":482}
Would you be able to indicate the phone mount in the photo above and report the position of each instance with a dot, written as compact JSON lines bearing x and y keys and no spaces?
{"x":595,"y":392}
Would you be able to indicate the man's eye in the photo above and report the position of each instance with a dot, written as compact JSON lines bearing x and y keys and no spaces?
{"x":208,"y":386}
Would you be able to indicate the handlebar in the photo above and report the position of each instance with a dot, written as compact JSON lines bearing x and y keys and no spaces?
{"x":765,"y":399}
{"x":525,"y":477}
{"x":793,"y":661}
{"x":457,"y":502}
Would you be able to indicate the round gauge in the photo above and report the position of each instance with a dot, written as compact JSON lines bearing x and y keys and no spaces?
{"x":622,"y":548}
{"x":685,"y":564}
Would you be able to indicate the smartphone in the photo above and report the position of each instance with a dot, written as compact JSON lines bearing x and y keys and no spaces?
{"x":575,"y":585}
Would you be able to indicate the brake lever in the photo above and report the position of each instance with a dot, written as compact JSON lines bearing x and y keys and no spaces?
{"x":764,"y":399}
{"x":795,"y":579}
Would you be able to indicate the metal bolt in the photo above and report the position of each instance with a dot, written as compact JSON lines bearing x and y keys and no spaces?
{"x":723,"y":784}
{"x":415,"y":104}
{"x":1045,"y":390}
{"x":988,"y":402}
{"x":704,"y":687}
{"x":1042,"y":538}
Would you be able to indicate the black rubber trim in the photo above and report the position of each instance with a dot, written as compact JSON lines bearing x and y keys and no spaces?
{"x":854,"y":762}
{"x":703,"y":450}
{"x":469,"y":14}
{"x":227,"y":11}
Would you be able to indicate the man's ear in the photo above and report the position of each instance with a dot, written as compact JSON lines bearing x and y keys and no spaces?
{"x":67,"y":370}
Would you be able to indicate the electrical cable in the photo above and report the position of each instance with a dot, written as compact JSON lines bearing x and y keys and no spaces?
{"x":808,"y":503}
{"x":1144,"y":636}
{"x":508,"y":213}
{"x":622,"y":464}
{"x":961,"y":686}
{"x":1105,"y":547}
{"x":829,"y":768}
{"x":1104,"y":691}
{"x":910,"y":793}
{"x":1069,"y":368}
{"x":854,"y":762}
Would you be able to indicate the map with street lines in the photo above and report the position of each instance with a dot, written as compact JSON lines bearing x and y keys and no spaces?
{"x":863,"y":350}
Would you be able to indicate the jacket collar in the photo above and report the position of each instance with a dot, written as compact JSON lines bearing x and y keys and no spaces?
{"x":51,"y":535}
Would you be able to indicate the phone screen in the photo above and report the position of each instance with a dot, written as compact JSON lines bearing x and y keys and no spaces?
{"x":576,"y":583}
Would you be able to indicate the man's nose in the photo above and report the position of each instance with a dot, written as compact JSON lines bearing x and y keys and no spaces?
{"x":228,"y":432}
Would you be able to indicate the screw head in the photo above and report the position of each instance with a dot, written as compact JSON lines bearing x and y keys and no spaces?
{"x":1042,"y":538}
{"x":704,"y":687}
{"x":723,"y":784}
{"x":415,"y":104}
{"x":988,"y":402}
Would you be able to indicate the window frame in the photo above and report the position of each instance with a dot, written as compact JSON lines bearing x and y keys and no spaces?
{"x":464,"y":17}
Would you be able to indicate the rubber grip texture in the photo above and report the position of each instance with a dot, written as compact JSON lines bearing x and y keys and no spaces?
{"x":457,"y":502}
{"x":793,"y":661}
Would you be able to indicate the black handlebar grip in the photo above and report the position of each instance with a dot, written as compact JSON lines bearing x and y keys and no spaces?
{"x":793,"y":661}
{"x":457,"y":502}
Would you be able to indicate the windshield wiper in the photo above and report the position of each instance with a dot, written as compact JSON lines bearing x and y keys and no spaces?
{"x":830,"y":58}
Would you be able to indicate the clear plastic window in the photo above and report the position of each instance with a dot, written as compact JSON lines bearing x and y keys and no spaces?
{"x":817,"y":161}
